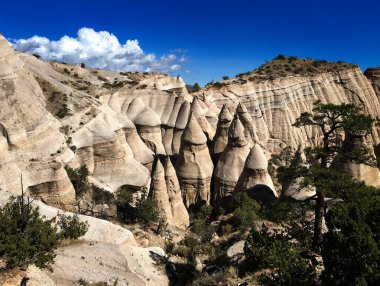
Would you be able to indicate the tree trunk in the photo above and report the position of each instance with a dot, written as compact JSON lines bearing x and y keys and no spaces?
{"x":319,"y":213}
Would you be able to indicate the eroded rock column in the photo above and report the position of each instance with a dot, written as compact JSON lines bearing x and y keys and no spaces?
{"x":194,"y":166}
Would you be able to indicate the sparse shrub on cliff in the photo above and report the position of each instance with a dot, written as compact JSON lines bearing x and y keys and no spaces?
{"x":280,"y":57}
{"x":226,"y":77}
{"x":78,"y":178}
{"x":71,"y":227}
{"x":196,"y":87}
{"x":101,"y":196}
{"x":62,"y":111}
{"x":147,"y":210}
{"x":124,"y":196}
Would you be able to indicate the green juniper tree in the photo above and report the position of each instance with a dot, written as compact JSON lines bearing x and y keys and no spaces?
{"x":27,"y":238}
{"x":332,"y":122}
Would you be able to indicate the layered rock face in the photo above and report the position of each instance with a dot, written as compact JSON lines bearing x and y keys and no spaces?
{"x":54,"y":187}
{"x":275,"y":104}
{"x":117,"y":123}
{"x":194,"y":166}
{"x":373,"y":75}
{"x":29,"y":135}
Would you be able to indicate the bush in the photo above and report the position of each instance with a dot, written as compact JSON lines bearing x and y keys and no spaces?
{"x":78,"y":178}
{"x":101,"y":196}
{"x":273,"y":250}
{"x":25,"y":238}
{"x":147,"y":210}
{"x":62,"y":111}
{"x":201,"y":224}
{"x":226,"y":77}
{"x":280,"y":57}
{"x":196,"y":87}
{"x":71,"y":227}
{"x":351,"y":252}
{"x":124,"y":196}
{"x":246,"y":212}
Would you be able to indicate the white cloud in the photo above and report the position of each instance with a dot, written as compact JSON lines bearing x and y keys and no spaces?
{"x":99,"y":50}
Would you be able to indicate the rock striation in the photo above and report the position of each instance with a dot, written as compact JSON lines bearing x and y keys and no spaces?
{"x":275,"y":104}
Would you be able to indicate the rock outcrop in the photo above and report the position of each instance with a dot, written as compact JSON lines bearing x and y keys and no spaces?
{"x":51,"y":185}
{"x":194,"y":166}
{"x":230,"y":165}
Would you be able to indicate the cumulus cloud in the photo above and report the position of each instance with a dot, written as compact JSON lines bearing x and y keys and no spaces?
{"x":99,"y":50}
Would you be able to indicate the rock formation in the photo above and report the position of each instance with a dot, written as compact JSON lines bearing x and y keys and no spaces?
{"x":199,"y":114}
{"x":194,"y":166}
{"x":255,"y":179}
{"x":230,"y":165}
{"x":179,"y":212}
{"x":281,"y":100}
{"x":221,"y":135}
{"x":373,"y":74}
{"x":159,"y":192}
{"x":115,"y":123}
{"x":51,"y":185}
{"x":246,"y":119}
{"x":356,"y":145}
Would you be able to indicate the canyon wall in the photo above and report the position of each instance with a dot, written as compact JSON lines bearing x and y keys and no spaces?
{"x":122,"y":126}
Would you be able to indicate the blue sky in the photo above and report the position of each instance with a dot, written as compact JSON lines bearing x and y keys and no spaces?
{"x":219,"y":37}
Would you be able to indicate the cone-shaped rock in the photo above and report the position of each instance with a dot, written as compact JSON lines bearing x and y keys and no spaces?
{"x":221,"y":136}
{"x":199,"y":114}
{"x":255,"y":179}
{"x":194,"y":165}
{"x":230,"y":165}
{"x":148,"y":125}
{"x":193,"y":133}
{"x":179,"y":212}
{"x":159,"y":191}
{"x":246,"y":120}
